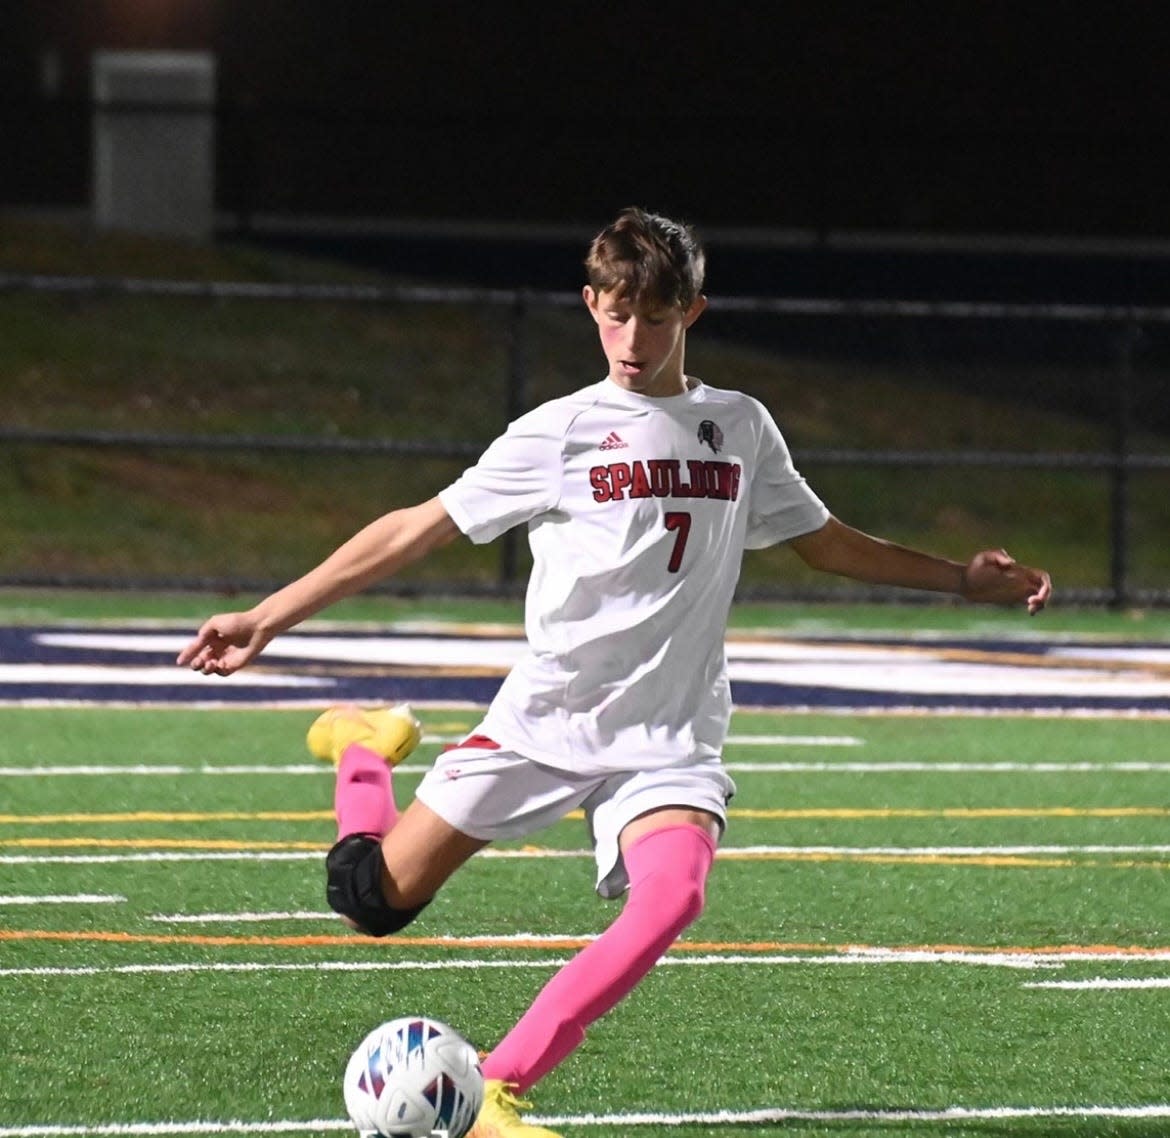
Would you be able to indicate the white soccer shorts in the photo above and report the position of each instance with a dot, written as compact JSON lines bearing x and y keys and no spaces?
{"x":498,"y":795}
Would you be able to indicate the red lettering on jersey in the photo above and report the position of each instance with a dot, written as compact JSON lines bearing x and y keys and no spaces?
{"x":697,"y":473}
{"x":599,"y":480}
{"x":723,"y":481}
{"x":663,"y":472}
{"x":640,"y":487}
{"x":619,"y":479}
{"x":716,"y":480}
{"x":663,"y":478}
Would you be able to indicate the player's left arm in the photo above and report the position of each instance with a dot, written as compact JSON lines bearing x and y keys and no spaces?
{"x":990,"y":577}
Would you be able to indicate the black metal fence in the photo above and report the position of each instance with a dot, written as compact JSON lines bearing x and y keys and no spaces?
{"x":1099,"y":372}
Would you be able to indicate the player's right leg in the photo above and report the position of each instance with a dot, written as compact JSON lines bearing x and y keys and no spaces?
{"x":499,"y":1117}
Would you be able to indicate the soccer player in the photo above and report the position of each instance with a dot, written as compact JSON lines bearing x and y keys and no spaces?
{"x":640,"y":493}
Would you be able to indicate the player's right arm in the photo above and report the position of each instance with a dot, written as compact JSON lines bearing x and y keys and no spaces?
{"x":228,"y":641}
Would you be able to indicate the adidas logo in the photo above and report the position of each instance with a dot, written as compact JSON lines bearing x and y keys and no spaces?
{"x":613,"y":441}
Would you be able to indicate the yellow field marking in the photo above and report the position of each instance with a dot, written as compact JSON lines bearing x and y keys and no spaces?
{"x":925,"y":652}
{"x":388,"y":670}
{"x":838,"y":813}
{"x":986,"y":860}
{"x":1040,"y":661}
{"x":352,"y":940}
{"x":808,"y":711}
{"x":170,"y":816}
{"x":1032,"y":661}
{"x":852,"y":813}
{"x":159,"y":844}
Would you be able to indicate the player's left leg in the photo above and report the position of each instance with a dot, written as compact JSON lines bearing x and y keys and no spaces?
{"x":668,"y":854}
{"x":364,"y":745}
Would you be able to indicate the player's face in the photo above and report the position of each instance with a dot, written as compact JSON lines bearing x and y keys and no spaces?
{"x":643,"y":342}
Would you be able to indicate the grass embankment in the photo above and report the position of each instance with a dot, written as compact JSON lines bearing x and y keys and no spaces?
{"x":309,"y":370}
{"x":120,"y":608}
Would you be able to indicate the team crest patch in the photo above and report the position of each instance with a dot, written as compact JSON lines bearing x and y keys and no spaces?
{"x":710,"y":434}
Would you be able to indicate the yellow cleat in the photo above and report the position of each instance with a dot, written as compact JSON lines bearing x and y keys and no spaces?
{"x":392,"y":732}
{"x":499,"y":1117}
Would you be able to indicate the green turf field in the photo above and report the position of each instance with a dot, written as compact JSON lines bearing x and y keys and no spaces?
{"x":879,"y":946}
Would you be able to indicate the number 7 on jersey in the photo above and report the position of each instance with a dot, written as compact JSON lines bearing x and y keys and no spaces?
{"x":680,"y":522}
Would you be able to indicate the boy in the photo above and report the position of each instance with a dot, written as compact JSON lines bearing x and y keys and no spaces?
{"x":640,"y":493}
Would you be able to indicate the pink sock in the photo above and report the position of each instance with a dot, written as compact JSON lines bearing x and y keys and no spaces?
{"x":363,"y":799}
{"x":667,"y":870}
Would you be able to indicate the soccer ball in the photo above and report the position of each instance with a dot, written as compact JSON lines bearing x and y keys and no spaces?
{"x":413,"y":1078}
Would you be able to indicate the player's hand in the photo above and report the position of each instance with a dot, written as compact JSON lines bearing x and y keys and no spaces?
{"x":992,"y":577}
{"x":224,"y":644}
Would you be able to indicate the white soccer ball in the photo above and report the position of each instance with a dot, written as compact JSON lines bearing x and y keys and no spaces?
{"x":413,"y":1078}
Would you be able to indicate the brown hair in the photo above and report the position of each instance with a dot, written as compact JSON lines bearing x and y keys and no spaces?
{"x":646,"y":257}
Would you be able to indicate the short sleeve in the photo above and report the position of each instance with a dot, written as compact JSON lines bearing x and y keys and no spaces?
{"x":516,"y":479}
{"x":782,"y":504}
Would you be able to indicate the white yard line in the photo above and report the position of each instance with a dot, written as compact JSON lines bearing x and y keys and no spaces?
{"x":982,"y":960}
{"x":89,"y":769}
{"x":897,"y":767}
{"x":261,"y":967}
{"x":1101,"y":982}
{"x":160,"y":856}
{"x":729,"y":1118}
{"x":734,"y":852}
{"x":66,"y":770}
{"x":65,"y":899}
{"x":146,"y":769}
{"x":1021,"y":960}
{"x":731,"y":853}
{"x":781,"y":1115}
{"x":794,"y":741}
{"x":243,"y":918}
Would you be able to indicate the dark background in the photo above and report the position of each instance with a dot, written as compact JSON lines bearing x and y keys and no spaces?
{"x":979,"y":118}
{"x":964,"y":150}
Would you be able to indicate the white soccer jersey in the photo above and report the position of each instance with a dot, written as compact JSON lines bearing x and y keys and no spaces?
{"x":638,"y":512}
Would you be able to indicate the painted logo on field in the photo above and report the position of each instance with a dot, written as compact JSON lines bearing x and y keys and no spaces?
{"x":466,"y":664}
